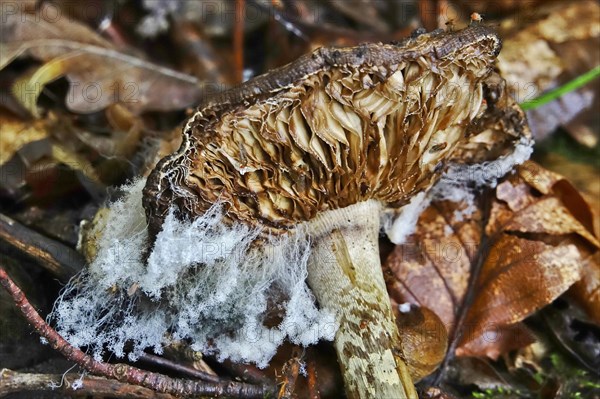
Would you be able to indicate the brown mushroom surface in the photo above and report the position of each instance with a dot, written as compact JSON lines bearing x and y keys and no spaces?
{"x":325,"y":145}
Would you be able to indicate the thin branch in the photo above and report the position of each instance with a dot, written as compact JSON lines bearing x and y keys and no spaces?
{"x":52,"y":255}
{"x":469,"y":297}
{"x":290,"y":372}
{"x":311,"y":371}
{"x":180,"y":368}
{"x":13,"y":382}
{"x":238,"y":39}
{"x":124,"y":372}
{"x":247,"y":373}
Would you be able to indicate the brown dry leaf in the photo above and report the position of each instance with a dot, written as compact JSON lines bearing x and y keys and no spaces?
{"x":586,"y":291}
{"x":99,"y":73}
{"x":535,"y":241}
{"x":532,"y":58}
{"x":15,"y":133}
{"x":36,"y":154}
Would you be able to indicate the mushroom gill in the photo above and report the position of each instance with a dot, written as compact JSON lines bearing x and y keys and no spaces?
{"x":326,"y":144}
{"x":332,"y":129}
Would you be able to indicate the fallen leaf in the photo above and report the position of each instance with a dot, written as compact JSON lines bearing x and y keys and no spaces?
{"x":99,"y":74}
{"x":14,"y":134}
{"x":583,"y":175}
{"x":527,"y":251}
{"x":42,"y":159}
{"x":497,"y":341}
{"x":586,"y":292}
{"x":433,"y":261}
{"x":518,"y":277}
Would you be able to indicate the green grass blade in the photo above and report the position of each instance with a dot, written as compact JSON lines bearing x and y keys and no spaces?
{"x":568,"y":87}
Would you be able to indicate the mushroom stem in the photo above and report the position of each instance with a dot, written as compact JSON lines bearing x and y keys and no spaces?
{"x":344,"y":272}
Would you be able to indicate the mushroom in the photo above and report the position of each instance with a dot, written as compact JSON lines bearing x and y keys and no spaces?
{"x":331,"y":145}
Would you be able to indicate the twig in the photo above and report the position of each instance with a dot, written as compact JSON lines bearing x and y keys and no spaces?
{"x":183,"y":369}
{"x":238,"y":39}
{"x":54,"y":256}
{"x":123,"y":372}
{"x":311,"y":371}
{"x":469,"y":297}
{"x":247,"y":373}
{"x":11,"y":382}
{"x":429,"y":11}
{"x":195,"y":359}
{"x":290,"y":371}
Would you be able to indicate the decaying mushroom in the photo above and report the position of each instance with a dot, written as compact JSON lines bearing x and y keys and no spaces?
{"x":329,"y":146}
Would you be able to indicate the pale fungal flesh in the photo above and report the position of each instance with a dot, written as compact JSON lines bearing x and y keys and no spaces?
{"x":344,"y":272}
{"x":328,"y":144}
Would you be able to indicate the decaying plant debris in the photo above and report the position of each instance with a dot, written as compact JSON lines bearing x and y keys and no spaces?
{"x":418,"y":136}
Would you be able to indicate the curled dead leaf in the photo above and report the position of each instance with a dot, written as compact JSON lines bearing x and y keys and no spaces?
{"x":518,"y":277}
{"x":99,"y":73}
{"x":52,"y":156}
{"x":16,"y":133}
{"x":586,"y":291}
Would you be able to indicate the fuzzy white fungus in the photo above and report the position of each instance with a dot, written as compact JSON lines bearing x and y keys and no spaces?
{"x":205,"y":282}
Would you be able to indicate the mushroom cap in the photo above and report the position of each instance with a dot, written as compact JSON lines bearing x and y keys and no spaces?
{"x":336,"y":127}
